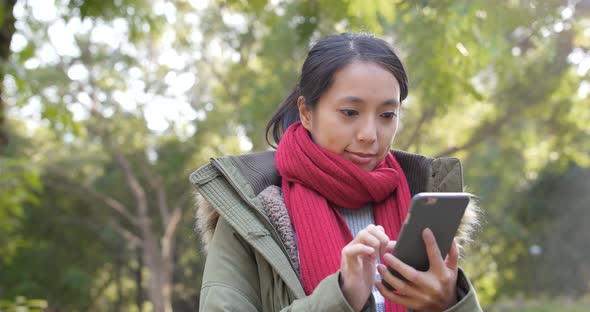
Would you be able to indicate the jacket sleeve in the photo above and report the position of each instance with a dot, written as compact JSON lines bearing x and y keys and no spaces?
{"x":467,"y":297}
{"x":231,"y":281}
{"x":326,"y":297}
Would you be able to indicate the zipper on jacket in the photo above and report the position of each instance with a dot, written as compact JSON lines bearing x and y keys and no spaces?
{"x":273,"y":231}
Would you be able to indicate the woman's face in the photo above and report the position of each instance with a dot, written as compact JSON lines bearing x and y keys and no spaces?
{"x":357,"y":116}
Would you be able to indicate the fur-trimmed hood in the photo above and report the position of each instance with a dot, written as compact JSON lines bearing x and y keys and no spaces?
{"x":206,"y":220}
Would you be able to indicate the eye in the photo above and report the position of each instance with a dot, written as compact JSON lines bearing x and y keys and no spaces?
{"x":389,"y":115}
{"x":349,"y":112}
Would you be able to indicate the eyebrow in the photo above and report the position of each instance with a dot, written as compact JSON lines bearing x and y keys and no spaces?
{"x":356,"y":100}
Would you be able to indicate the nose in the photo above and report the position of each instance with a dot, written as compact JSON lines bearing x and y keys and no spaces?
{"x":367,"y":131}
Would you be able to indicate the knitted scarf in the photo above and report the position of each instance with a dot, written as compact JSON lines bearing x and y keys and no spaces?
{"x":315,"y":182}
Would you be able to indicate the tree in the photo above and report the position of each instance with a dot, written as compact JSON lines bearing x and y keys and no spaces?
{"x":6,"y":31}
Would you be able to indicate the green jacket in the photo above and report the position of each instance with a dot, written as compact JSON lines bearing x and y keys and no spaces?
{"x":249,"y":266}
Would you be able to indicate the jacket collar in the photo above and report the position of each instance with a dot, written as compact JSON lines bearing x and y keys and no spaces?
{"x":259,"y":170}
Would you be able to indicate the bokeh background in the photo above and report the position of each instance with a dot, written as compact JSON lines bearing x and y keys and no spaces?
{"x":107,"y":106}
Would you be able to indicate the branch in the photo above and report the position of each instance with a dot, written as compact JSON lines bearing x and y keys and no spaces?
{"x":139,"y":194}
{"x":107,"y":200}
{"x":171,"y":226}
{"x":157,"y":184}
{"x":88,"y":223}
{"x":168,"y":237}
{"x":483,"y":133}
{"x":132,"y":182}
{"x":143,"y":219}
{"x":426,"y":116}
{"x":235,"y":98}
{"x":131,"y":238}
{"x":162,"y":201}
{"x":183,"y":198}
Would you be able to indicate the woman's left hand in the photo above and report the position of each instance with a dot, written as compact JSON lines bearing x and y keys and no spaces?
{"x":433,"y":290}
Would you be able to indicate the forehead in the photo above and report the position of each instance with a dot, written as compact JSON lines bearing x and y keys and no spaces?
{"x":364,"y":80}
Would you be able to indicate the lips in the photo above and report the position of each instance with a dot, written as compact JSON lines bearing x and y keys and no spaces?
{"x":361,"y":158}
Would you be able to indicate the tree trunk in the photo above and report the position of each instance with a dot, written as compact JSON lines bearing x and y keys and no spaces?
{"x":167,"y":279}
{"x":154,"y":254}
{"x":160,"y":278}
{"x":119,"y":281}
{"x":156,"y":282}
{"x":161,"y":268}
{"x":139,"y":282}
{"x":6,"y":32}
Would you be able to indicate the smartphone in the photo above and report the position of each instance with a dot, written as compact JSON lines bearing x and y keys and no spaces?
{"x":441,"y":213}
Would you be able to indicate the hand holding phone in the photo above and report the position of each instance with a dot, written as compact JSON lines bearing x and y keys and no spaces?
{"x":442,"y":214}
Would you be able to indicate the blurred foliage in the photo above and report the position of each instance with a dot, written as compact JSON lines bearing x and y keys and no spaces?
{"x":542,"y":304}
{"x":553,"y":214}
{"x":22,"y":304}
{"x":498,"y":84}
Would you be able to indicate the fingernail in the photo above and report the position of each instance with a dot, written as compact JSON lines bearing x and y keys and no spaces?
{"x":380,"y":269}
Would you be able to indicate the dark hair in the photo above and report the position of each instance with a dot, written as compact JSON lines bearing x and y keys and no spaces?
{"x":328,"y":55}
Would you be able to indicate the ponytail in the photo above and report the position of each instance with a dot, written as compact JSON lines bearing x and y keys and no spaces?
{"x":286,"y":115}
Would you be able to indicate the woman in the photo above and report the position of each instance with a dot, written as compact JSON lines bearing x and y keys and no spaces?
{"x":311,"y":227}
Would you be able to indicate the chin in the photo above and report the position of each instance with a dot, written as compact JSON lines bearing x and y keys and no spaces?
{"x":369,"y":167}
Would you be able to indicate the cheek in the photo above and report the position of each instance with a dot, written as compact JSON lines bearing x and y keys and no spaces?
{"x":333,"y":136}
{"x":336,"y":139}
{"x":388,"y":135}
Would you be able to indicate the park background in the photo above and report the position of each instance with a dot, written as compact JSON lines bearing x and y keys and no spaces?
{"x":107,"y":106}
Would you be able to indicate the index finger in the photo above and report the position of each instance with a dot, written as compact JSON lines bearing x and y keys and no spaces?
{"x":381,"y":236}
{"x":409,"y":273}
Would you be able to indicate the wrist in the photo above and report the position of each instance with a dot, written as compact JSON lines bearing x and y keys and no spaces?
{"x":350,"y":294}
{"x":453,"y":299}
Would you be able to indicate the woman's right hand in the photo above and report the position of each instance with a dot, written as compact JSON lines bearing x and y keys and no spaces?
{"x":358,"y":265}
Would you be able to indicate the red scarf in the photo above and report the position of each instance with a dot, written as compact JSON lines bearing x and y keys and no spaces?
{"x":315,"y":182}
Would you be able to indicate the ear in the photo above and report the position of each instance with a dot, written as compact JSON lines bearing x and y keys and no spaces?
{"x":304,"y":113}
